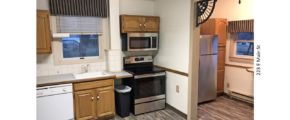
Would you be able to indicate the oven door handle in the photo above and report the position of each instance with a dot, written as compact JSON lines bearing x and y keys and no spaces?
{"x":149,"y":75}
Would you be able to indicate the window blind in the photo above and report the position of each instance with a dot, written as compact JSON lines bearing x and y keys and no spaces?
{"x":241,"y":26}
{"x":98,"y":8}
{"x":73,"y":24}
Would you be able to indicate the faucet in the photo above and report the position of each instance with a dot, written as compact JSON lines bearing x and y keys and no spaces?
{"x":85,"y":68}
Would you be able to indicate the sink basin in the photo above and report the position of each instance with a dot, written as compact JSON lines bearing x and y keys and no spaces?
{"x":91,"y":75}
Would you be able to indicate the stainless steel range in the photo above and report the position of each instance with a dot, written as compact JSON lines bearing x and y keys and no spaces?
{"x":148,"y":84}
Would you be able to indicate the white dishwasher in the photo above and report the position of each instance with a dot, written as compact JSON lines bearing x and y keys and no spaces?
{"x":55,"y":102}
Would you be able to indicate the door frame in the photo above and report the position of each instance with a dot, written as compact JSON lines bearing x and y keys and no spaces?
{"x":193,"y":65}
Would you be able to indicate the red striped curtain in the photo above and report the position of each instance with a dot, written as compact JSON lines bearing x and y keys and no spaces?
{"x":241,"y":26}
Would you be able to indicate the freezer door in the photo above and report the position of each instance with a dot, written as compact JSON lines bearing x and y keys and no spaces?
{"x":208,"y":44}
{"x":207,"y":78}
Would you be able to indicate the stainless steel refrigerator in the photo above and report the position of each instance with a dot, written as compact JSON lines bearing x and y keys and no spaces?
{"x":207,"y":68}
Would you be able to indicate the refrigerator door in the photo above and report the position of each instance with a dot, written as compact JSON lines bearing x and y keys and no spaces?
{"x":208,"y":44}
{"x":207,"y":78}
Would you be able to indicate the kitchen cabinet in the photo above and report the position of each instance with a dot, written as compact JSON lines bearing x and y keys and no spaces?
{"x":218,"y":26}
{"x":220,"y":80}
{"x":215,"y":26}
{"x":106,"y":101}
{"x":84,"y":104}
{"x":43,"y":34}
{"x":94,"y":100}
{"x":132,"y":23}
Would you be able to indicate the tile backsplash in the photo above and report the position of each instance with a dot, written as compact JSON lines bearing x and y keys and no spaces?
{"x":49,"y":69}
{"x":46,"y":66}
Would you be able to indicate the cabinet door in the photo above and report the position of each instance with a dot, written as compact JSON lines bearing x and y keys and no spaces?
{"x":105,"y":102}
{"x":220,"y":81}
{"x":208,"y":28}
{"x":221,"y":58}
{"x":84,"y":104}
{"x":221,"y":30}
{"x":43,"y":34}
{"x":151,"y":24}
{"x":131,"y":24}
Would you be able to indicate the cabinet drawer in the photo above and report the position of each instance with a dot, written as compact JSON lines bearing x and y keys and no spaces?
{"x":93,"y":84}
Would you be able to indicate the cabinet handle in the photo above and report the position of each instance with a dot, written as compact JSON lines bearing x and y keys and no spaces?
{"x":144,"y":25}
{"x":93,"y":98}
{"x":140,"y":25}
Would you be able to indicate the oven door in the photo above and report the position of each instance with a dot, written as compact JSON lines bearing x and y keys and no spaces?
{"x":149,"y":87}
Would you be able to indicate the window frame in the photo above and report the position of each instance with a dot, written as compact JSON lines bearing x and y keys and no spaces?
{"x":59,"y":59}
{"x":233,"y":57}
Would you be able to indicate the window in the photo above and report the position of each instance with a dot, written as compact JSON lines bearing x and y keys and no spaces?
{"x":80,"y":46}
{"x":79,"y":40}
{"x":242,"y":47}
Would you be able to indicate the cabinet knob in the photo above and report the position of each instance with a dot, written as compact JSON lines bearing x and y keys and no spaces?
{"x":144,"y":25}
{"x":93,"y":98}
{"x":140,"y":25}
{"x":98,"y":97}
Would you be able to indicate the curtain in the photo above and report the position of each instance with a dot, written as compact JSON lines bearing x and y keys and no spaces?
{"x":241,"y":26}
{"x":98,"y":8}
{"x":73,"y":24}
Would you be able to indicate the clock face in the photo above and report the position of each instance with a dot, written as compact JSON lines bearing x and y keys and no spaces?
{"x":204,"y":10}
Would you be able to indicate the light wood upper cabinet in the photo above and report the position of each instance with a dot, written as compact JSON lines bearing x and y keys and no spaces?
{"x":43,"y":34}
{"x":131,"y":23}
{"x":84,"y":105}
{"x":216,"y":26}
{"x":151,"y":24}
{"x":94,"y":100}
{"x":106,"y":100}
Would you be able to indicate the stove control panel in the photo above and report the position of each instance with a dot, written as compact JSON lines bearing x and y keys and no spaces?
{"x":138,"y":59}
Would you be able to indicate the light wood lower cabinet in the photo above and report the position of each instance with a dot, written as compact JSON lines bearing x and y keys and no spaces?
{"x":84,"y":105}
{"x":105,"y":104}
{"x":94,"y":103}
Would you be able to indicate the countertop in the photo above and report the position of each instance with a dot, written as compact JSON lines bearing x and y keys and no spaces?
{"x":69,"y":78}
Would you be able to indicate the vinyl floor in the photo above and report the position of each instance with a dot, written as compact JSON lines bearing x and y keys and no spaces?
{"x":223,"y":108}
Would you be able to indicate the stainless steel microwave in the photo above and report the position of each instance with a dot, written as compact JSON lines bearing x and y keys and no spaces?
{"x":140,"y":41}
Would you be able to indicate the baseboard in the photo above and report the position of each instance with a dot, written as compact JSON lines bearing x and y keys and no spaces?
{"x":238,"y":99}
{"x":176,"y":111}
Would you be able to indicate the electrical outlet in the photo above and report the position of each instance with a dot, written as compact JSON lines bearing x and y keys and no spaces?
{"x":177,"y":88}
{"x":228,"y":85}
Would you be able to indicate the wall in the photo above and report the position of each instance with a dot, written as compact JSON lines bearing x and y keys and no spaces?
{"x":137,"y":7}
{"x":174,"y":47}
{"x":232,"y":10}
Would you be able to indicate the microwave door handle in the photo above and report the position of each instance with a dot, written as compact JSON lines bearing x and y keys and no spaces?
{"x":149,"y":75}
{"x":151,"y":42}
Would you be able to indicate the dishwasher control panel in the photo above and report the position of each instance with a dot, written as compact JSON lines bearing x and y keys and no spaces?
{"x":54,"y":90}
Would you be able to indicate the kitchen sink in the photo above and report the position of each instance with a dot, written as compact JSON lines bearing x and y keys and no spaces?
{"x":91,"y":74}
